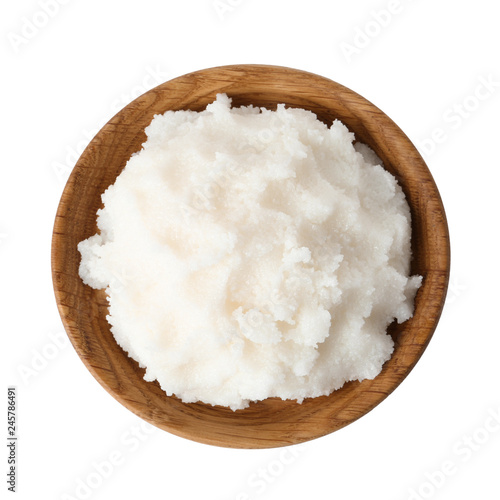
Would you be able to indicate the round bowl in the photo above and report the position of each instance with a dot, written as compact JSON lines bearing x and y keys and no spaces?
{"x":272,"y":422}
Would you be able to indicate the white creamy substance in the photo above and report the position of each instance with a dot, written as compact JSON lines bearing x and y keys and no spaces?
{"x":250,"y":253}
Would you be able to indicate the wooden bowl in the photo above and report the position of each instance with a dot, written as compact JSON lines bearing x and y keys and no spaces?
{"x":272,"y":422}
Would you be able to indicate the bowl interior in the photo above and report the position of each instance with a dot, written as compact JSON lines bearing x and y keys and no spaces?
{"x":271,"y":422}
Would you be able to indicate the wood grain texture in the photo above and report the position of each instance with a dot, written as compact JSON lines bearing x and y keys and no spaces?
{"x":272,"y":422}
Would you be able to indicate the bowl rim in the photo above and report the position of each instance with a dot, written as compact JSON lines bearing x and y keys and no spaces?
{"x":251,"y":433}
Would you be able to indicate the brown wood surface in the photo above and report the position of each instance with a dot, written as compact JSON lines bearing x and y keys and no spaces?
{"x":272,"y":422}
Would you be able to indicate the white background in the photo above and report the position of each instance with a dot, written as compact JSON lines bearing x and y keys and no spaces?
{"x":63,"y":79}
